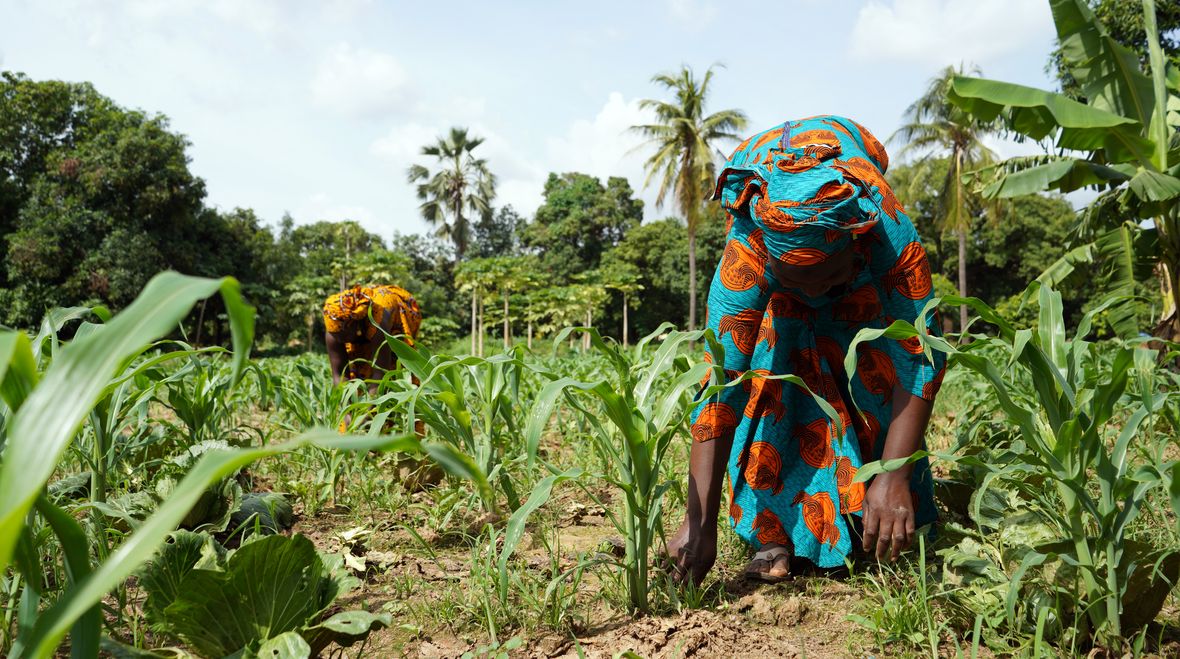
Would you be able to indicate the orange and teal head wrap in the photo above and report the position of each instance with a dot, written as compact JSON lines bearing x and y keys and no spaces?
{"x":808,"y":186}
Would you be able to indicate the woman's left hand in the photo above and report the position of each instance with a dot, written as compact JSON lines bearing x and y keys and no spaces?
{"x":889,"y":515}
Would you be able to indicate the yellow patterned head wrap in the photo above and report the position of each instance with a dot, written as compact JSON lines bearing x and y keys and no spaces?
{"x":344,"y":310}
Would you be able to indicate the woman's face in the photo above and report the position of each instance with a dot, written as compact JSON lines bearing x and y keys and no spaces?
{"x":816,"y":280}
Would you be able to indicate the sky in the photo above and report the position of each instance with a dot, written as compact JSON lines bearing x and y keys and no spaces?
{"x":317,"y":108}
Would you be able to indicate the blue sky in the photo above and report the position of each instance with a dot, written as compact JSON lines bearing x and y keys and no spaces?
{"x":318,"y":108}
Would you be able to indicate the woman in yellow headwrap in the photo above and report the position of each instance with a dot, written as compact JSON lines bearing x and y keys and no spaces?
{"x":352,"y":317}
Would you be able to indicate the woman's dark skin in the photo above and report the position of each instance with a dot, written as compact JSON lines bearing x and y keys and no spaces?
{"x":354,"y":333}
{"x":888,"y":512}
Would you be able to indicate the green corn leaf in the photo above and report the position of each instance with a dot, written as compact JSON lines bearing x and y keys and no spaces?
{"x":516,"y":524}
{"x":1030,"y":560}
{"x":141,"y":545}
{"x":877,"y":467}
{"x":1173,"y":474}
{"x":662,"y":361}
{"x":460,"y":464}
{"x":44,"y":426}
{"x":84,"y":635}
{"x":57,"y":318}
{"x":672,"y":403}
{"x":18,"y":369}
{"x":1051,"y":327}
{"x":543,"y":408}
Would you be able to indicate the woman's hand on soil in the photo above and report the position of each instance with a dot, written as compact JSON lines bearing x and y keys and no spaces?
{"x":888,"y":516}
{"x":692,"y":552}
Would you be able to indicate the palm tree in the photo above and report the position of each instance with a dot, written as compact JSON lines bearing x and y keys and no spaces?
{"x":461,"y":185}
{"x":685,"y":158}
{"x":935,"y":127}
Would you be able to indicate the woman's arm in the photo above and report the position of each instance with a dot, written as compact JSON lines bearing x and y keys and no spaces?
{"x":337,"y":358}
{"x":693,"y":549}
{"x":889,"y":506}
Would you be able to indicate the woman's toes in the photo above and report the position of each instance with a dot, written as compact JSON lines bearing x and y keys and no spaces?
{"x":781,"y":567}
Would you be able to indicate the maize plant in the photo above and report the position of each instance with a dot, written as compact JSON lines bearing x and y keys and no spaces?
{"x":45,"y":407}
{"x":1080,"y":424}
{"x":636,"y":415}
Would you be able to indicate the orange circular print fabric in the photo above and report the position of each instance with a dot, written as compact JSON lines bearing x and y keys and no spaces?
{"x":808,"y":421}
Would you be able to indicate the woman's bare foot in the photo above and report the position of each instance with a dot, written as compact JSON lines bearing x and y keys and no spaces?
{"x":772,"y":563}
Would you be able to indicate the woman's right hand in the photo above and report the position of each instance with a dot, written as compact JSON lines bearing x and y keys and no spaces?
{"x":692,"y":551}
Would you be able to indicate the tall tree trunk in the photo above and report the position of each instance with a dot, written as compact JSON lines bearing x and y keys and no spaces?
{"x":474,"y":326}
{"x":482,"y":328}
{"x":692,"y":276}
{"x":507,"y":328}
{"x":200,"y":322}
{"x":625,"y":344}
{"x":310,"y":329}
{"x":459,"y":238}
{"x":586,"y":336}
{"x":1168,"y":326}
{"x":530,"y":331}
{"x":961,"y":223}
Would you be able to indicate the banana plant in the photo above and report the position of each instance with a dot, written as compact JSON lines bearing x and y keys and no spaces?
{"x":1124,"y":140}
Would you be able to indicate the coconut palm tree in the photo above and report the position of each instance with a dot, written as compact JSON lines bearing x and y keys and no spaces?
{"x":685,"y":159}
{"x":462,"y":184}
{"x":936,"y":128}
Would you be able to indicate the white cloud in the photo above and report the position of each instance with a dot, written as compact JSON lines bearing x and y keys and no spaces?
{"x":321,"y":206}
{"x":942,"y":32}
{"x":360,"y":82}
{"x":696,"y":14}
{"x":603,"y":146}
{"x":404,"y":142}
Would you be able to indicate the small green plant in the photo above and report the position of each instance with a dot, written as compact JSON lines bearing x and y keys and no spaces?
{"x":45,"y":408}
{"x":223,"y":603}
{"x":637,"y":413}
{"x":1073,"y":484}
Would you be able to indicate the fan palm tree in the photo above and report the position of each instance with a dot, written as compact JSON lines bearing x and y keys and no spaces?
{"x":685,"y":157}
{"x":936,"y":128}
{"x":462,"y":184}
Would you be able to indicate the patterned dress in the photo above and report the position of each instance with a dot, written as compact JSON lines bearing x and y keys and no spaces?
{"x":790,"y":473}
{"x":349,"y":313}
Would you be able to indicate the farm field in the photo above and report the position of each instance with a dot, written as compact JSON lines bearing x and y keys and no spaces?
{"x":528,"y":546}
{"x":372,"y":347}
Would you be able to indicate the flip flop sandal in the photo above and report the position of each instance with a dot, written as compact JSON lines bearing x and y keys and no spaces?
{"x":770,"y":556}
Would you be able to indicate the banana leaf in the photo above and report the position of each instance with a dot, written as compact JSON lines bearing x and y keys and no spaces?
{"x":1038,"y":114}
{"x":1107,"y":71}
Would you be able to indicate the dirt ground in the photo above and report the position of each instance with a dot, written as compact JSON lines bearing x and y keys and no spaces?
{"x":802,"y":617}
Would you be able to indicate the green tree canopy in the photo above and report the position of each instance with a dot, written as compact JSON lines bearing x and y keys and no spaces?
{"x":498,"y":234}
{"x":658,"y":251}
{"x":105,"y":207}
{"x":579,"y":220}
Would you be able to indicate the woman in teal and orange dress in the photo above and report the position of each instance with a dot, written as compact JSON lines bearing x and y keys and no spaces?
{"x":818,"y":249}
